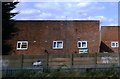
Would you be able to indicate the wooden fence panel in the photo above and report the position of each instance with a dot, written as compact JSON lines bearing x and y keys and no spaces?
{"x":11,"y":61}
{"x":109,"y":58}
{"x":55,"y":60}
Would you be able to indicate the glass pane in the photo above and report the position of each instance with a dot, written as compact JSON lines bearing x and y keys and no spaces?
{"x":59,"y":44}
{"x":113,"y":44}
{"x":79,"y":44}
{"x":116,"y":44}
{"x":83,"y":44}
{"x":54,"y":44}
{"x":18,"y":45}
{"x":24,"y":45}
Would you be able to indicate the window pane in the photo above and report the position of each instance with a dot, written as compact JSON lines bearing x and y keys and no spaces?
{"x":83,"y":44}
{"x":18,"y":45}
{"x":54,"y":44}
{"x":116,"y":44}
{"x":24,"y":45}
{"x":79,"y":44}
{"x":59,"y":44}
{"x":113,"y":44}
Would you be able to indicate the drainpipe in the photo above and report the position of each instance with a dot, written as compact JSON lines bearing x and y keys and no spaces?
{"x":119,"y":34}
{"x":118,"y":41}
{"x":100,"y":37}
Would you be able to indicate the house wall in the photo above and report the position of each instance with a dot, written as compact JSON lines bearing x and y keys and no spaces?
{"x":41,"y":34}
{"x":109,"y":34}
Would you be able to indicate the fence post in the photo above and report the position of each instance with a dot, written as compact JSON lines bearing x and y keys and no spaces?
{"x":118,"y":59}
{"x":72,"y":61}
{"x":47,"y":60}
{"x":22,"y":57}
{"x":95,"y":59}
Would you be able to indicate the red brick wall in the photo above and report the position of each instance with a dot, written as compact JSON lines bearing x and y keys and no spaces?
{"x":45,"y":32}
{"x":108,"y":34}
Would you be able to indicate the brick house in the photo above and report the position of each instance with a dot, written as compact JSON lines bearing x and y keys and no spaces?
{"x":56,"y":36}
{"x":110,"y":39}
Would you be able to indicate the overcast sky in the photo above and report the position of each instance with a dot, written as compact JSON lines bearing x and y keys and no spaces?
{"x":106,"y":12}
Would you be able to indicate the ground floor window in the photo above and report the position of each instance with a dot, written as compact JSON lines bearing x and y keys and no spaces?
{"x":22,"y":45}
{"x":83,"y":50}
{"x":57,"y":44}
{"x":114,"y":44}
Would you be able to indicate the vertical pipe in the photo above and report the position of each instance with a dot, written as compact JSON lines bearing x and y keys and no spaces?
{"x":119,"y":33}
{"x":1,"y":38}
{"x":100,"y":38}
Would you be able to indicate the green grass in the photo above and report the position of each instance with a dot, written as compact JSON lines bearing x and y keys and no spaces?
{"x":58,"y":73}
{"x":112,"y":73}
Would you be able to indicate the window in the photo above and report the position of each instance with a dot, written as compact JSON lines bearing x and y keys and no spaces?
{"x":114,"y":44}
{"x":22,"y":45}
{"x":82,"y":44}
{"x":83,"y":50}
{"x":57,"y":44}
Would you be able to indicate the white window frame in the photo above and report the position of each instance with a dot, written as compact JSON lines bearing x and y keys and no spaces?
{"x":21,"y":45}
{"x":116,"y":44}
{"x":56,"y":45}
{"x":81,"y":44}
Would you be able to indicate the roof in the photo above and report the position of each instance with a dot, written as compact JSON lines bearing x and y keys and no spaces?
{"x":57,"y":20}
{"x":110,"y":26}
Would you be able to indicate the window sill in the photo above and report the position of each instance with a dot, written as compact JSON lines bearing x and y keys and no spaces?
{"x":57,"y":48}
{"x":21,"y":49}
